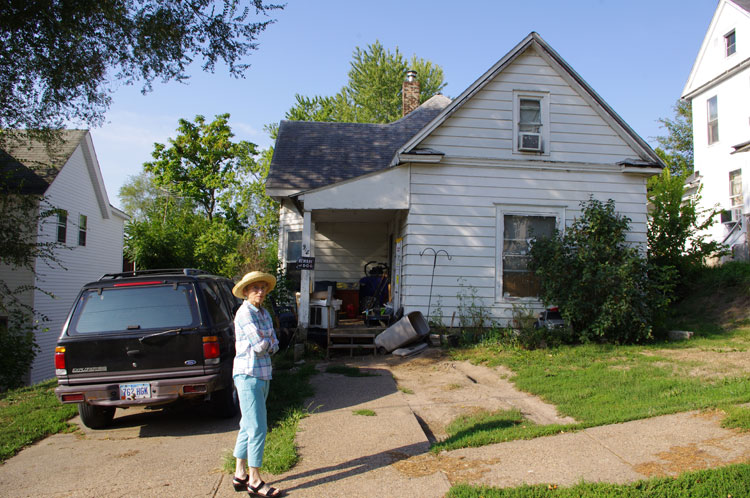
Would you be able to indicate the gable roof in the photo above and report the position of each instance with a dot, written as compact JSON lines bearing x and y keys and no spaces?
{"x":312,"y":154}
{"x":32,"y":164}
{"x":697,"y":82}
{"x":648,"y":157}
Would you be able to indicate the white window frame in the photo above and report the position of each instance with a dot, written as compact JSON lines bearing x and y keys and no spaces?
{"x":544,"y":99}
{"x":712,"y":137}
{"x":730,"y":48}
{"x":539,"y":208}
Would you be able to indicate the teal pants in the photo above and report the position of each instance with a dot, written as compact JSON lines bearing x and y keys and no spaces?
{"x":251,"y":440}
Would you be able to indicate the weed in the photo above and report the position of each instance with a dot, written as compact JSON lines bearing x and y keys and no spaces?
{"x":405,"y":390}
{"x":473,"y":317}
{"x":365,"y":413}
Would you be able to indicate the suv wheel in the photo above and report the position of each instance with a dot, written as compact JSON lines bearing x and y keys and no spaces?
{"x":95,"y":417}
{"x":224,"y":402}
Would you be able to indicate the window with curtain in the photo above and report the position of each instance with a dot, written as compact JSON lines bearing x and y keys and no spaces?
{"x":530,"y":116}
{"x":518,"y":233}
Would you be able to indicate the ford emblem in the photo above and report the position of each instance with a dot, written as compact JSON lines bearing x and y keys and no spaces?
{"x":190,"y":363}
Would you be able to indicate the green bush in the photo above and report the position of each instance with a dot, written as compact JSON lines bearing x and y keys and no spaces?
{"x":677,"y":229}
{"x":18,"y":346}
{"x":604,"y":287}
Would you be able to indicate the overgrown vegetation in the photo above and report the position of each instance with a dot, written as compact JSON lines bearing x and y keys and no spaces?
{"x":604,"y":287}
{"x":29,"y":414}
{"x":730,"y":481}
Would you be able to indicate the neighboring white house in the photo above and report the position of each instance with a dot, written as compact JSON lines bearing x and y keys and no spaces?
{"x":719,"y":89}
{"x":514,"y":155}
{"x":89,"y":227}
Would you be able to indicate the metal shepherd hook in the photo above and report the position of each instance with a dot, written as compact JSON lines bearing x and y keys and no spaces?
{"x":434,"y":262}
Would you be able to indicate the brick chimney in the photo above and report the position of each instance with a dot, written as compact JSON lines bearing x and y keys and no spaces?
{"x":410,"y":92}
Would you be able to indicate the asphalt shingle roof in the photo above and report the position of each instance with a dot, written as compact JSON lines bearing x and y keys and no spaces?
{"x":31,"y":164}
{"x":309,"y":155}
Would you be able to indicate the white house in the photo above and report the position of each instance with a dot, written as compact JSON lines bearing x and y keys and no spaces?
{"x":719,"y":89}
{"x":88,"y":226}
{"x":514,"y":155}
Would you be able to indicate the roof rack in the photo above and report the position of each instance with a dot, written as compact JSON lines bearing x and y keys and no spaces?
{"x":167,"y":271}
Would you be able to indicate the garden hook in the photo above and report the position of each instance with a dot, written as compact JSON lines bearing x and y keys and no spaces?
{"x":434,"y":262}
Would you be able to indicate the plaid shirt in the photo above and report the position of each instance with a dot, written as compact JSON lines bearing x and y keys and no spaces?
{"x":255,"y":342}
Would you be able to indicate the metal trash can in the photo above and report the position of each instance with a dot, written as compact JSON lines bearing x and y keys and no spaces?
{"x":409,"y":329}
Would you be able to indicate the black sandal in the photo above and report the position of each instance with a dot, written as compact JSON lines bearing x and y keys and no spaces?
{"x":240,"y":484}
{"x":255,"y":490}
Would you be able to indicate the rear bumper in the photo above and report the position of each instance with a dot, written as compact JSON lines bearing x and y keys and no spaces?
{"x":163,"y":391}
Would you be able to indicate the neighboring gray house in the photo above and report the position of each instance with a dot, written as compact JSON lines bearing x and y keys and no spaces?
{"x":70,"y":178}
{"x":515,"y":153}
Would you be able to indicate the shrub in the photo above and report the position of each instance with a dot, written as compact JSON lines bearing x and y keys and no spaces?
{"x":605,"y":289}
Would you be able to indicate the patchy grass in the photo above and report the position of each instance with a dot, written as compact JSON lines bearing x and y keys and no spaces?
{"x":405,"y":390}
{"x":731,"y":481}
{"x":365,"y":413}
{"x":608,"y":384}
{"x":738,"y":417}
{"x":29,"y":414}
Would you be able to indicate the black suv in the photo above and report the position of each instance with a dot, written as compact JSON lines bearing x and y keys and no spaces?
{"x":148,"y":338}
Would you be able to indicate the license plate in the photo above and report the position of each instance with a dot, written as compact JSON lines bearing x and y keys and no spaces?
{"x":135,"y":391}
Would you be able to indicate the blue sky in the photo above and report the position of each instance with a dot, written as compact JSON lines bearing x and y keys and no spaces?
{"x":636,"y":54}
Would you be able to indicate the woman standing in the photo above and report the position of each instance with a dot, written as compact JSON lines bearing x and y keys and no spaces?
{"x":255,"y":342}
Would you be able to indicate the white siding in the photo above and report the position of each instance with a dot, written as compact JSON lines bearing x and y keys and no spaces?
{"x":483,"y":126}
{"x":455,"y":208}
{"x":343,"y":249}
{"x":73,"y":190}
{"x":289,"y":221}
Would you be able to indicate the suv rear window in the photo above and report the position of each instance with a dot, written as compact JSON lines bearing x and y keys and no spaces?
{"x":135,"y":308}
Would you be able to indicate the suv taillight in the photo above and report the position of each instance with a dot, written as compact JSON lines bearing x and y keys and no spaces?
{"x":60,"y":361}
{"x":211,"y":350}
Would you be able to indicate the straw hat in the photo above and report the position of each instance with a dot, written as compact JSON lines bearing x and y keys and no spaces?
{"x":251,"y":278}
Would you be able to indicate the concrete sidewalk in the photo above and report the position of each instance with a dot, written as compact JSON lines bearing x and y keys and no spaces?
{"x":344,"y":454}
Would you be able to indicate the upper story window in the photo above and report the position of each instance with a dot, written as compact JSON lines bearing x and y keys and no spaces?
{"x":531,"y":122}
{"x":713,"y":120}
{"x":62,"y":226}
{"x":730,"y":43}
{"x":82,"y":226}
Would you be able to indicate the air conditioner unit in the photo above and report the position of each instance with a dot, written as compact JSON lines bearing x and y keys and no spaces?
{"x":729,"y":216}
{"x":531,"y":142}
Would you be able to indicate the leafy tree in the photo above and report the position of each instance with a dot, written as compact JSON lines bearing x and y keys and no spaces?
{"x":677,"y":235}
{"x":373,"y":92}
{"x":605,"y":289}
{"x":61,"y":60}
{"x":200,"y":202}
{"x":676,"y":148}
{"x":202,"y":163}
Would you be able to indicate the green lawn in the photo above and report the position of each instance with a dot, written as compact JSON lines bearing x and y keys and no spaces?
{"x":727,"y":482}
{"x":30,"y":414}
{"x":606,"y":384}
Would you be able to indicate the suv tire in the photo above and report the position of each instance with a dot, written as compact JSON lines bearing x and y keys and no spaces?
{"x":95,"y":417}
